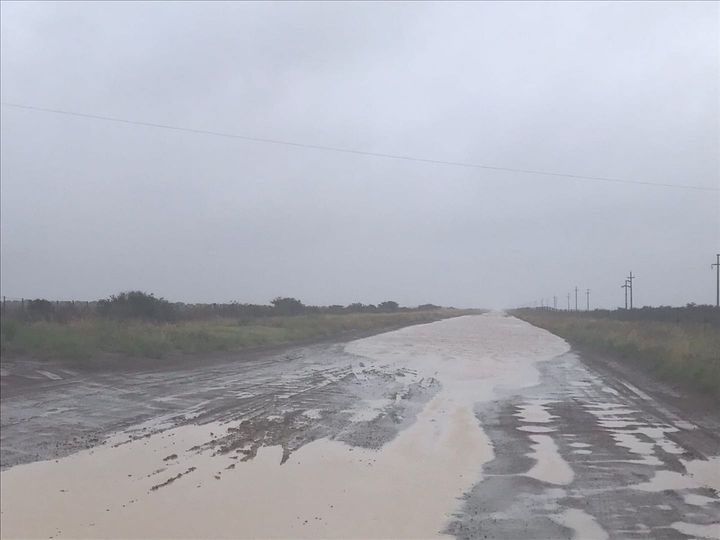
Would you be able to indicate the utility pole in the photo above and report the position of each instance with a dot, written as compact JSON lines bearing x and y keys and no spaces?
{"x":576,"y":298}
{"x":568,"y":301}
{"x":626,"y":287}
{"x":630,"y":279}
{"x":717,"y":272}
{"x":587,"y":294}
{"x":555,"y":303}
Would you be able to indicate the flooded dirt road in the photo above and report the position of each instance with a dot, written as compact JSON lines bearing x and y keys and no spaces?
{"x":474,"y":427}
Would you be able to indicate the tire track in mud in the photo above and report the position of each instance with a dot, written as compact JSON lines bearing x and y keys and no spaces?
{"x":268,"y":397}
{"x":618,"y":444}
{"x":279,"y":417}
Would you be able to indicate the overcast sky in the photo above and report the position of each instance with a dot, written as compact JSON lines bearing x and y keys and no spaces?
{"x":623,"y":90}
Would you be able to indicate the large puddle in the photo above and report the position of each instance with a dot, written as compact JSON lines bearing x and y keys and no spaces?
{"x":171,"y":484}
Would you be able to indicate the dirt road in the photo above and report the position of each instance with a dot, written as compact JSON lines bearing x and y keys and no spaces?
{"x":479,"y":426}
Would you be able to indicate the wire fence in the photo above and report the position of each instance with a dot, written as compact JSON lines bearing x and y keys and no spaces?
{"x":58,"y":309}
{"x":64,"y":310}
{"x":164,"y":311}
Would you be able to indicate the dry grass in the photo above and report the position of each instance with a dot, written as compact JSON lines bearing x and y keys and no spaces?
{"x":88,"y":337}
{"x":686,"y":353}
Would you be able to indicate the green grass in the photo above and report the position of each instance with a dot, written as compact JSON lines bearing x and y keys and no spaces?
{"x":687,"y":353}
{"x":85,"y":338}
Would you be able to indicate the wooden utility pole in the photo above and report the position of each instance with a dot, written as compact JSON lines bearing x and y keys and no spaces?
{"x":626,"y":287}
{"x":568,"y":301}
{"x":576,"y":289}
{"x":630,"y":281}
{"x":717,"y":286}
{"x":587,"y":295}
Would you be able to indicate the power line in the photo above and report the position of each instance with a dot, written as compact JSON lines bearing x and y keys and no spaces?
{"x":354,"y":151}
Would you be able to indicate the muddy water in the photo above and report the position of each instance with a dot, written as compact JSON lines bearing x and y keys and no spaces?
{"x":176,"y":483}
{"x":475,"y":427}
{"x":584,"y":456}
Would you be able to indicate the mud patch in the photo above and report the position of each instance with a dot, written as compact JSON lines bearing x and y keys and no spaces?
{"x":631,"y":473}
{"x":172,"y":479}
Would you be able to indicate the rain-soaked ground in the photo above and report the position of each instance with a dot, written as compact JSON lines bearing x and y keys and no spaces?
{"x":477,"y":427}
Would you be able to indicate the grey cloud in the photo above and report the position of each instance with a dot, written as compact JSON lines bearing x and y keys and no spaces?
{"x":602,"y":89}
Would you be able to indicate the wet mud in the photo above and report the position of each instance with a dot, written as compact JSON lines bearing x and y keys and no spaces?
{"x":631,"y":463}
{"x":476,"y":427}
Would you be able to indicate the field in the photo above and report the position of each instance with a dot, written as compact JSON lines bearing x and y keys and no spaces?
{"x":87,"y":337}
{"x":679,"y":345}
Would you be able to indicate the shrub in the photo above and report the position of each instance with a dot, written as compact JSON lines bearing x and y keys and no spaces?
{"x":8,"y":330}
{"x":40,"y":309}
{"x":288,"y":306}
{"x":388,"y":305}
{"x":136,"y":305}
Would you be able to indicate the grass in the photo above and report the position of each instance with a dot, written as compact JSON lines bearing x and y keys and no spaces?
{"x":687,"y":353}
{"x":85,"y":338}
